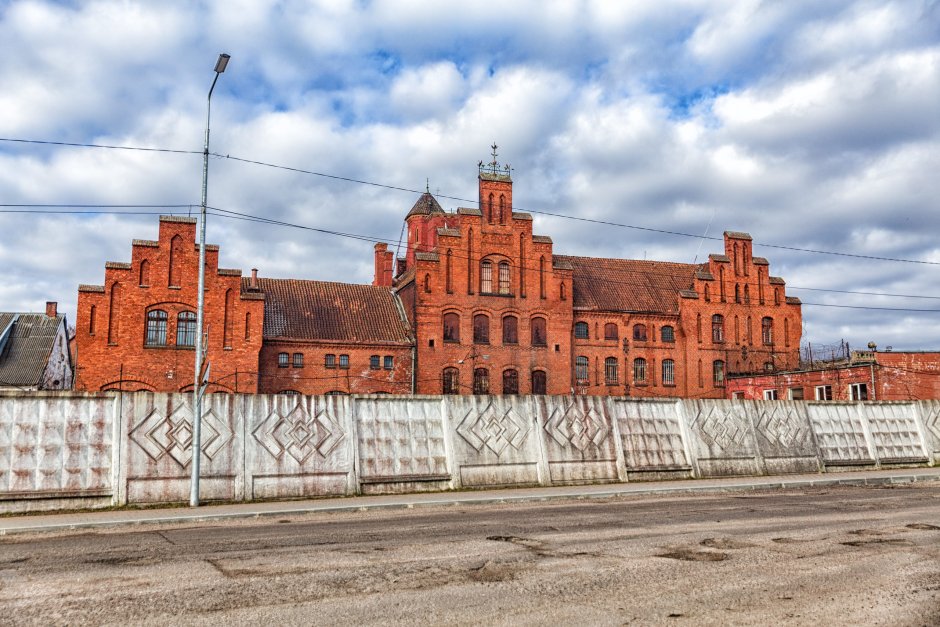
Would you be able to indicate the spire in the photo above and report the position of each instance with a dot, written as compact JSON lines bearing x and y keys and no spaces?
{"x":493,"y":170}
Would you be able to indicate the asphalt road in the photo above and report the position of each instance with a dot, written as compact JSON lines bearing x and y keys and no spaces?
{"x":836,"y":556}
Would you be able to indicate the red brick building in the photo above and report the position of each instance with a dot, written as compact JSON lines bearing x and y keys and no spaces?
{"x":478,"y":303}
{"x":868,"y":376}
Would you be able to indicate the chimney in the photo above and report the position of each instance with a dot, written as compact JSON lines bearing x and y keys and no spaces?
{"x":254,"y":279}
{"x":383,"y":266}
{"x":52,"y":308}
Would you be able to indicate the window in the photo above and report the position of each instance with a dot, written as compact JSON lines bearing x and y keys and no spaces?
{"x":795,"y":394}
{"x":510,"y":382}
{"x":610,"y":371}
{"x":610,"y":331}
{"x":451,"y":327}
{"x":389,"y":362}
{"x":247,"y":326}
{"x":481,"y":381}
{"x":298,"y":360}
{"x":581,"y":330}
{"x":186,"y":329}
{"x":448,"y":282}
{"x":481,"y":329}
{"x":667,"y":334}
{"x":823,"y":392}
{"x":503,"y":277}
{"x":718,"y":373}
{"x":737,"y":293}
{"x":427,"y":283}
{"x":538,"y":332}
{"x":510,"y":330}
{"x":539,"y":382}
{"x":289,"y":392}
{"x":176,"y":251}
{"x":329,"y":361}
{"x":91,"y":319}
{"x":144,"y":273}
{"x":858,"y":392}
{"x":669,"y":372}
{"x":718,"y":328}
{"x":451,"y":381}
{"x":581,"y":369}
{"x":486,"y":277}
{"x":768,"y":366}
{"x":156,"y":328}
{"x":542,"y":276}
{"x":708,"y":295}
{"x":639,"y":370}
{"x":639,"y":332}
{"x":561,"y":292}
{"x":374,"y":362}
{"x":770,"y":395}
{"x":282,"y":360}
{"x":767,"y":330}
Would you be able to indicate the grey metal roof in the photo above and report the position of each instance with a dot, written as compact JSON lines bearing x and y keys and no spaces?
{"x":27,"y":352}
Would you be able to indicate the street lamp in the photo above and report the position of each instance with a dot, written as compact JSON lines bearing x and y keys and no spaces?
{"x":201,"y":299}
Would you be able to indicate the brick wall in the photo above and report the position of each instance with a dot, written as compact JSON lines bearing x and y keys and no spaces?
{"x":111,"y":325}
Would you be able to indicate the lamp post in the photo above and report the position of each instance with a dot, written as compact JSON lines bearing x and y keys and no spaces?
{"x":201,"y":298}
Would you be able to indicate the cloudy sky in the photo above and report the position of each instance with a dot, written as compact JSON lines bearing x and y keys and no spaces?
{"x":814,"y":126}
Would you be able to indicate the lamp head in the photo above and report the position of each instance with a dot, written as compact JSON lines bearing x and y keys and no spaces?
{"x":221,"y":63}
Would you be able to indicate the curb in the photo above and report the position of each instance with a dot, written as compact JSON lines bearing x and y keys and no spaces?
{"x":469,"y":499}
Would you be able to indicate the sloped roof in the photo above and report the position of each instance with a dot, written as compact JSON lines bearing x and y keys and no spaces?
{"x":321,"y":310}
{"x":425,"y":205}
{"x":28,"y":348}
{"x":628,"y":284}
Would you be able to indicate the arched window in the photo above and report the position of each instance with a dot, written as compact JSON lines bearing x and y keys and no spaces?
{"x":427,"y":283}
{"x":91,"y":319}
{"x":539,"y":337}
{"x":470,"y":261}
{"x":144,"y":273}
{"x":492,"y":210}
{"x":539,"y":382}
{"x":721,"y":284}
{"x":610,"y":331}
{"x":542,"y":276}
{"x":718,"y":373}
{"x":639,"y":370}
{"x":283,"y":360}
{"x":776,"y":296}
{"x":504,"y":278}
{"x":786,"y":332}
{"x":228,"y":323}
{"x":481,"y":381}
{"x":698,"y":327}
{"x":451,"y":327}
{"x":610,"y":371}
{"x":114,"y":313}
{"x":718,"y":328}
{"x":669,"y":372}
{"x":581,"y":330}
{"x":510,"y":381}
{"x":486,"y":277}
{"x":760,"y":286}
{"x":748,"y":331}
{"x":747,"y":295}
{"x":562,"y":293}
{"x":481,"y":329}
{"x":176,"y":251}
{"x":451,"y":381}
{"x":522,"y":265}
{"x":639,"y":332}
{"x":510,"y":330}
{"x":668,"y":334}
{"x":449,"y":283}
{"x":156,"y":328}
{"x":502,"y":209}
{"x":737,"y":292}
{"x":581,"y":364}
{"x":186,"y":329}
{"x":247,"y":326}
{"x":767,"y":330}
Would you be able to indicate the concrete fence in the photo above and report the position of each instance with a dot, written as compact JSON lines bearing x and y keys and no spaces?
{"x":62,"y":450}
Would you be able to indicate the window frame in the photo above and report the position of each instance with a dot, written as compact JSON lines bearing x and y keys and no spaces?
{"x":156,"y":328}
{"x":718,"y":329}
{"x":718,"y":373}
{"x":450,"y":381}
{"x":536,"y":384}
{"x":450,"y":327}
{"x":582,"y":370}
{"x":668,"y":337}
{"x":640,"y":332}
{"x":388,"y":362}
{"x":611,"y":331}
{"x":481,"y":381}
{"x":329,"y":361}
{"x":510,"y":332}
{"x":543,"y":323}
{"x":375,"y":362}
{"x":481,"y":331}
{"x":771,"y":395}
{"x":611,"y":371}
{"x":486,"y":277}
{"x":640,"y":374}
{"x":503,"y":278}
{"x":668,"y":372}
{"x":582,"y":331}
{"x":510,"y":381}
{"x":283,"y":359}
{"x":767,"y":330}
{"x":297,"y":360}
{"x":822,"y":392}
{"x":858,"y":392}
{"x":186,"y":328}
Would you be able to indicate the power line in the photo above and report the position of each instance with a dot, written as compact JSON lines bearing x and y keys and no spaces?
{"x":459,"y":199}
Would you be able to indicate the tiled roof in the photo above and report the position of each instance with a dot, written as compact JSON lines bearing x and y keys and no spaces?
{"x":720,"y":258}
{"x":443,"y":230}
{"x":704,"y":275}
{"x":425,"y":205}
{"x":760,"y":261}
{"x":183,"y":219}
{"x":28,"y":348}
{"x":230,"y":272}
{"x":427,"y":257}
{"x":516,"y":215}
{"x":775,"y":280}
{"x":117,"y":265}
{"x":91,"y":288}
{"x":541,"y":239}
{"x":464,"y":211}
{"x":628,"y":285}
{"x":688,"y":293}
{"x":320,"y":310}
{"x":146,"y":242}
{"x":561,"y":264}
{"x":794,"y":300}
{"x":737,"y":235}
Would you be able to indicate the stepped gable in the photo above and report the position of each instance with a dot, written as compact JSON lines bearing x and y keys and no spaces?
{"x":627,"y":284}
{"x":339,"y":312}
